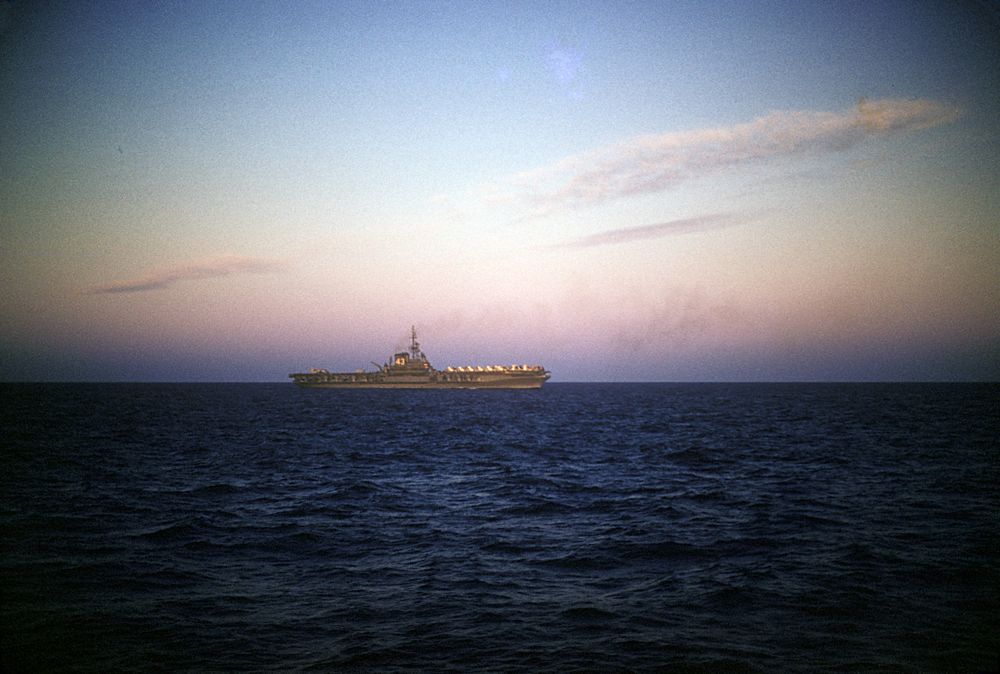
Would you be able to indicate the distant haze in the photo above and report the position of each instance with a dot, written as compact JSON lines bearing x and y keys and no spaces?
{"x":662,"y":191}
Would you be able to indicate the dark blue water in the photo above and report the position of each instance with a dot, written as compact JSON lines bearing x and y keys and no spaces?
{"x":581,"y":527}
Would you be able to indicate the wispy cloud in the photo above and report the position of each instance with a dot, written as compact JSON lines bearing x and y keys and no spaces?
{"x":654,"y":231}
{"x":192,"y":271}
{"x":654,"y":163}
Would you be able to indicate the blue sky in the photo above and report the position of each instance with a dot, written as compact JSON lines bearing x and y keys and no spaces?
{"x":619,"y":191}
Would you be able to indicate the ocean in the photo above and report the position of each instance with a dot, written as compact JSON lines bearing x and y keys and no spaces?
{"x":582,"y":527}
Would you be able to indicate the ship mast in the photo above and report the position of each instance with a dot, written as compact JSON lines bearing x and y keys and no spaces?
{"x":414,"y":344}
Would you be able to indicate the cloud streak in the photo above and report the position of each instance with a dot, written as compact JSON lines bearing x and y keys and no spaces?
{"x":192,"y":271}
{"x":654,"y":231}
{"x":654,"y":163}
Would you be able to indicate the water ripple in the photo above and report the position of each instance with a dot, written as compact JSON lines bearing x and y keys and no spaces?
{"x":577,"y":528}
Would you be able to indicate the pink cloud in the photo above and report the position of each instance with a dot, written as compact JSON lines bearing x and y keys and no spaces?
{"x":653,"y":231}
{"x":192,"y":271}
{"x":654,"y":163}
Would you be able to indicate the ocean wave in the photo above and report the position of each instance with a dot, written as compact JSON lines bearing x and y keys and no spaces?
{"x":590,"y":528}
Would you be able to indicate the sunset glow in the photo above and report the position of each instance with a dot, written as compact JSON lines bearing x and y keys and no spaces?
{"x":619,"y":191}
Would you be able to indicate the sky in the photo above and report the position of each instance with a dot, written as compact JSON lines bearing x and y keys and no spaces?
{"x":619,"y":191}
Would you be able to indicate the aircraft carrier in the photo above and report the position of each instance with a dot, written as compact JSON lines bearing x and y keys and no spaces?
{"x":411,"y":369}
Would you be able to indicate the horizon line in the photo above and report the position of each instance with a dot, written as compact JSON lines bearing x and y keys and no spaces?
{"x":548,"y":383}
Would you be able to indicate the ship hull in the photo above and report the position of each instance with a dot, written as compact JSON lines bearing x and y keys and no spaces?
{"x":498,"y":383}
{"x":466,"y":385}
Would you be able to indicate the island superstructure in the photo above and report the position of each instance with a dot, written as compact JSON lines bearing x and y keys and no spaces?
{"x":412,"y":369}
